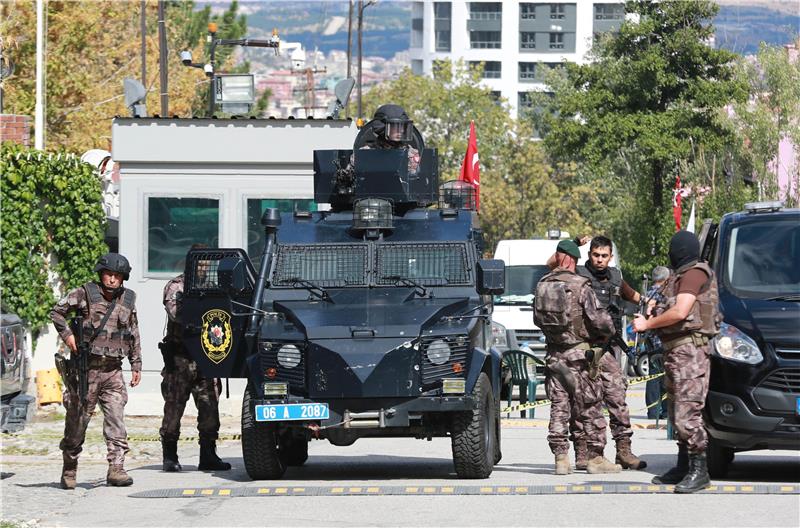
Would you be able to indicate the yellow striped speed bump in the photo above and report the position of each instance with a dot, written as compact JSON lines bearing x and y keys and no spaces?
{"x":542,"y":403}
{"x":602,"y":488}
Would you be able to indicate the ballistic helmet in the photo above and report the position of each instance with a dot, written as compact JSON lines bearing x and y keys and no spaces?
{"x":114,"y":262}
{"x":392,"y":124}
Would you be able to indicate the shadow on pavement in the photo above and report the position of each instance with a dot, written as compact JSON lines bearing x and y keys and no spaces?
{"x":337,"y":468}
{"x":746,"y":467}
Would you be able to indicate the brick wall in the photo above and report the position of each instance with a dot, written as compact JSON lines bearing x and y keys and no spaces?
{"x":15,"y":128}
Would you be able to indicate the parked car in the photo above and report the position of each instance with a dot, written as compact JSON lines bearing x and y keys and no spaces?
{"x":754,"y":397}
{"x":17,"y":406}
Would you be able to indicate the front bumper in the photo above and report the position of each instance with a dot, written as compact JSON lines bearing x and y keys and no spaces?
{"x":743,"y":430}
{"x":380,"y":412}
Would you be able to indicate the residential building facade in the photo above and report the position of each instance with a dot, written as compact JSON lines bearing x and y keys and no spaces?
{"x":512,"y":39}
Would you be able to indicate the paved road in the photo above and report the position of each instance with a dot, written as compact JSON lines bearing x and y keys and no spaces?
{"x":345,"y":486}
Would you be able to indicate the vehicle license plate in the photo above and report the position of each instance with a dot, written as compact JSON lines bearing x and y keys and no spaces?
{"x":292,"y":411}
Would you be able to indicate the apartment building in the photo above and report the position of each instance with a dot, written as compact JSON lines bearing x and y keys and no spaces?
{"x":510,"y":38}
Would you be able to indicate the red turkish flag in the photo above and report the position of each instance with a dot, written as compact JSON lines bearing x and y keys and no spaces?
{"x":677,"y":210}
{"x":471,"y":167}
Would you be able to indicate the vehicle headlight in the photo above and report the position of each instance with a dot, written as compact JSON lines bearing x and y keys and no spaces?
{"x":289,"y":356}
{"x":731,"y":343}
{"x":438,"y":352}
{"x":499,"y":338}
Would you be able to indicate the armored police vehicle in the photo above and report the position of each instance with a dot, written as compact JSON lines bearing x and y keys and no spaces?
{"x":370,"y":319}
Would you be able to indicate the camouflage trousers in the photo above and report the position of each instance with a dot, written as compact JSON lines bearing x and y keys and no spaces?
{"x":176,"y":386}
{"x":585,"y":402}
{"x":106,"y":387}
{"x":687,"y":369}
{"x":615,"y":386}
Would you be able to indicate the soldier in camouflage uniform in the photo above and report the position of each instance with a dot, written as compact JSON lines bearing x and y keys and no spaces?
{"x":686,"y":322}
{"x":118,"y":338}
{"x":610,"y":287}
{"x":393,"y":130}
{"x":567,"y":311}
{"x":180,"y":379}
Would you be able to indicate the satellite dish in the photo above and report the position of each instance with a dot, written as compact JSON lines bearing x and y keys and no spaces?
{"x":134,"y":97}
{"x":342,"y":91}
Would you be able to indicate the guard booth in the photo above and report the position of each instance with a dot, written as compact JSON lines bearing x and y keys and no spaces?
{"x":186,"y":181}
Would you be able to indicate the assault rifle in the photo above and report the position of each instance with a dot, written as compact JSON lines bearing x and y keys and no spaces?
{"x":80,"y":360}
{"x":643,"y":301}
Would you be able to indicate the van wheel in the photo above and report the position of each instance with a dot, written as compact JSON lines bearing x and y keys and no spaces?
{"x":260,"y":448}
{"x":719,"y":458}
{"x":473,"y":434}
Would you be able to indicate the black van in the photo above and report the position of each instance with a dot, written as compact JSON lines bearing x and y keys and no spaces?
{"x":754,"y":397}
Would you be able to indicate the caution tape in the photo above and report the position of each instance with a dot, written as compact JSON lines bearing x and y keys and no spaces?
{"x":542,"y":403}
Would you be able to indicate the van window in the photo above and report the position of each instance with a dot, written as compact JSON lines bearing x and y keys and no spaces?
{"x":521,"y":282}
{"x":761,"y":259}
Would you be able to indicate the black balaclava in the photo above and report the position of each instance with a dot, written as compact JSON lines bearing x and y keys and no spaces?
{"x":684,"y":248}
{"x":599,"y":274}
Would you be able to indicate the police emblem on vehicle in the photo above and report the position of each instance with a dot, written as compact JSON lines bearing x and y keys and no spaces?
{"x":216,"y":335}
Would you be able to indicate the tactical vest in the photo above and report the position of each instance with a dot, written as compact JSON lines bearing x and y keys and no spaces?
{"x":557,"y":310}
{"x":704,"y":317}
{"x":607,"y":293}
{"x":115,"y":337}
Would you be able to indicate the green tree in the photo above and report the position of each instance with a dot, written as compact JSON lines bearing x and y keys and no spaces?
{"x":771,"y":114}
{"x":524,"y":195}
{"x":442,"y":107}
{"x":652,"y":95}
{"x":91,"y":46}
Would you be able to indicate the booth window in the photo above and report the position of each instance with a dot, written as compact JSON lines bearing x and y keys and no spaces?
{"x":255,"y":231}
{"x":173,"y":225}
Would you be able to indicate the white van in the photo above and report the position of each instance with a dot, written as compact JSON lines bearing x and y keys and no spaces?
{"x":526,"y":263}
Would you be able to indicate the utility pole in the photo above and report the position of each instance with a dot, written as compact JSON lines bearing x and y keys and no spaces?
{"x":310,"y":97}
{"x":162,"y":59}
{"x":361,"y":7}
{"x":38,"y":142}
{"x":360,"y":27}
{"x":143,"y":31}
{"x":349,"y":46}
{"x":350,"y":39}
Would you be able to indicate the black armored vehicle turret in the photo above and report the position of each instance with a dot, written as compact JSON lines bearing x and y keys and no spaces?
{"x":369,"y":319}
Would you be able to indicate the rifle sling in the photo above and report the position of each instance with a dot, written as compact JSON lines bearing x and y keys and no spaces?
{"x":103,"y":321}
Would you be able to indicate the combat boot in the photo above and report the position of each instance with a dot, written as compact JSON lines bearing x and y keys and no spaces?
{"x":69,"y":473}
{"x":117,"y":476}
{"x":562,"y":464}
{"x":625,"y":456}
{"x":600,"y":464}
{"x":676,"y":473}
{"x":581,"y":454}
{"x":697,"y":478}
{"x":170,"y":450}
{"x":209,"y":461}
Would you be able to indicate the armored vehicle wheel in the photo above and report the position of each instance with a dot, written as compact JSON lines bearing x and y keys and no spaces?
{"x":294,"y":449}
{"x":473,"y":434}
{"x":260,"y":449}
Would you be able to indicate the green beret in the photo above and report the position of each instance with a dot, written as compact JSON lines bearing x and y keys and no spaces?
{"x":570,"y":248}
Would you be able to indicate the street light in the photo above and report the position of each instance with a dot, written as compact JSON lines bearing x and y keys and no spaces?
{"x":361,"y":7}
